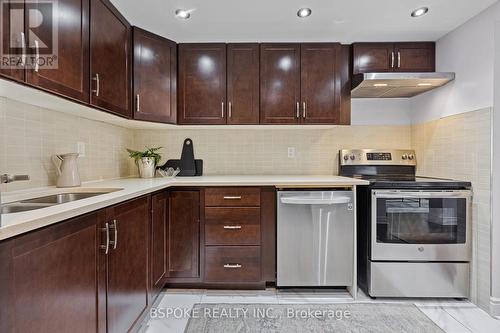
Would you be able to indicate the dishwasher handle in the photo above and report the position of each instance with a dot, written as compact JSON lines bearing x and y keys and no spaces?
{"x":315,"y":201}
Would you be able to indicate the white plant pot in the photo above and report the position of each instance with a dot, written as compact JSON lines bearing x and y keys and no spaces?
{"x":146,"y":167}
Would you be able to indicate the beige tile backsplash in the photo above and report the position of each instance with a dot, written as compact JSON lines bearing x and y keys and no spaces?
{"x":459,"y":147}
{"x":265,"y":151}
{"x":30,"y":135}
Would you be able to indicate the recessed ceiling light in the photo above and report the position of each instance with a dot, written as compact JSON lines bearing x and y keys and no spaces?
{"x":380,"y":85}
{"x":419,"y":12}
{"x":304,"y":12}
{"x":182,"y":14}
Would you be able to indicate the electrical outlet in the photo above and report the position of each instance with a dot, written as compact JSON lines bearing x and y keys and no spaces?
{"x":80,"y":149}
{"x":291,"y":152}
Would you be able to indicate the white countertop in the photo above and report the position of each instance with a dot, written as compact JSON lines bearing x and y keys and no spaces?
{"x":128,"y":188}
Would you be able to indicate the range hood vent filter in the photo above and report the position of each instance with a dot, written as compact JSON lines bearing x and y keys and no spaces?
{"x":397,"y":85}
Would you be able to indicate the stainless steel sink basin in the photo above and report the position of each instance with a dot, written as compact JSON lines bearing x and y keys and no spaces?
{"x":19,"y":207}
{"x":51,"y":200}
{"x":62,"y":198}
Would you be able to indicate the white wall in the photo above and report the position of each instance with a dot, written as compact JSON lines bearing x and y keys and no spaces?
{"x":378,"y":111}
{"x":469,"y":52}
{"x":495,"y":232}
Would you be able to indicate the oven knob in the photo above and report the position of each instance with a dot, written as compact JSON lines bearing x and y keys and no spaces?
{"x":421,"y":248}
{"x":411,"y":157}
{"x":353,"y":157}
{"x":346,"y":157}
{"x":404,"y":157}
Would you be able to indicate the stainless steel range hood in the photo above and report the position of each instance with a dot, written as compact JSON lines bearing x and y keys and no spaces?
{"x":393,"y":85}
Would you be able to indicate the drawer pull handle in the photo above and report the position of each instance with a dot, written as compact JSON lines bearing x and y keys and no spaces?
{"x":236,"y":197}
{"x":232,"y":227}
{"x":232,"y":266}
{"x":114,"y":242}
{"x":105,"y":247}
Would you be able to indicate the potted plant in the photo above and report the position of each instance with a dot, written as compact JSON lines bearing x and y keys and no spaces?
{"x":146,"y":161}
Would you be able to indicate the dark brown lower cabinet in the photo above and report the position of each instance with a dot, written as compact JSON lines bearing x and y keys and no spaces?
{"x":158,"y":249}
{"x":126,"y":263}
{"x":49,"y":279}
{"x":183,"y":235}
{"x":100,"y":272}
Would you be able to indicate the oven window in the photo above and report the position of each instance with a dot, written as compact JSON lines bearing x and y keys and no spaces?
{"x":421,"y":220}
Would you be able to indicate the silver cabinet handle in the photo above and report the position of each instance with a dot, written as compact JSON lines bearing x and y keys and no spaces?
{"x":399,"y":59}
{"x":230,"y":108}
{"x":232,"y":227}
{"x":138,"y":103}
{"x":304,"y":110}
{"x":297,"y":109}
{"x":23,"y":46}
{"x":37,"y":56}
{"x":97,"y":84}
{"x":114,"y":242}
{"x":105,"y":247}
{"x":222,"y":110}
{"x":392,"y":59}
{"x":235,"y":197}
{"x":232,"y":266}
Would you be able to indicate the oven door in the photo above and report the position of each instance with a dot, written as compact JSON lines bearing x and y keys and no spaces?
{"x":420,"y":225}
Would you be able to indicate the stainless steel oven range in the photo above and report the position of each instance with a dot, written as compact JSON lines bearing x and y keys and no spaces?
{"x":414,"y":233}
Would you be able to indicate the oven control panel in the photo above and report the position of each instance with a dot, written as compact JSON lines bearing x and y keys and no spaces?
{"x":377,"y":157}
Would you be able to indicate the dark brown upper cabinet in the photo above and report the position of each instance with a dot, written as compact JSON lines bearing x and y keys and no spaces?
{"x":303,"y":83}
{"x":68,"y":74}
{"x":415,"y":57}
{"x":320,"y":83}
{"x":109,"y":59}
{"x":279,"y":83}
{"x":202,"y":84}
{"x":155,"y":77}
{"x":393,"y":57}
{"x":13,"y":38}
{"x":242,"y":83}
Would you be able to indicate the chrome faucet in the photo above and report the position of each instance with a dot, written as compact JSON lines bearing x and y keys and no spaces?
{"x":4,"y":179}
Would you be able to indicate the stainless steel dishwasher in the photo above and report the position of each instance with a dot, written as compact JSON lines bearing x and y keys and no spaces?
{"x":315,"y":238}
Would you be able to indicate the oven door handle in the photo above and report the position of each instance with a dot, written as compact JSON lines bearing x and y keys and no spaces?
{"x":423,"y":194}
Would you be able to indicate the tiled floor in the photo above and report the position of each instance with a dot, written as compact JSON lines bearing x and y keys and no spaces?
{"x":451,"y":315}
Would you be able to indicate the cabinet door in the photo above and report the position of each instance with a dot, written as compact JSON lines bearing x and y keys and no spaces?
{"x":373,"y":57}
{"x":243,"y":83}
{"x":202,"y":84}
{"x":320,"y":83}
{"x":279,"y":83}
{"x":127,"y":263}
{"x":13,"y":39}
{"x":155,"y":71}
{"x":70,"y":76}
{"x":49,"y":278}
{"x":158,"y":253}
{"x":109,"y":61}
{"x":415,"y":57}
{"x":183,"y":235}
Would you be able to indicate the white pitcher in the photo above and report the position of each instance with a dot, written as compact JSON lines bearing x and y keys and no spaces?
{"x":67,"y":170}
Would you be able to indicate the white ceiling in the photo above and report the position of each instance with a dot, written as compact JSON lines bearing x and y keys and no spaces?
{"x":276,"y":20}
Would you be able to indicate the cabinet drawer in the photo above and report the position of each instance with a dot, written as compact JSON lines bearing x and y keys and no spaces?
{"x":232,"y":264}
{"x":232,"y":226}
{"x":232,"y":196}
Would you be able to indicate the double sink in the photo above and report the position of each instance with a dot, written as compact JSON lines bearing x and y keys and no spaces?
{"x":51,"y":200}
